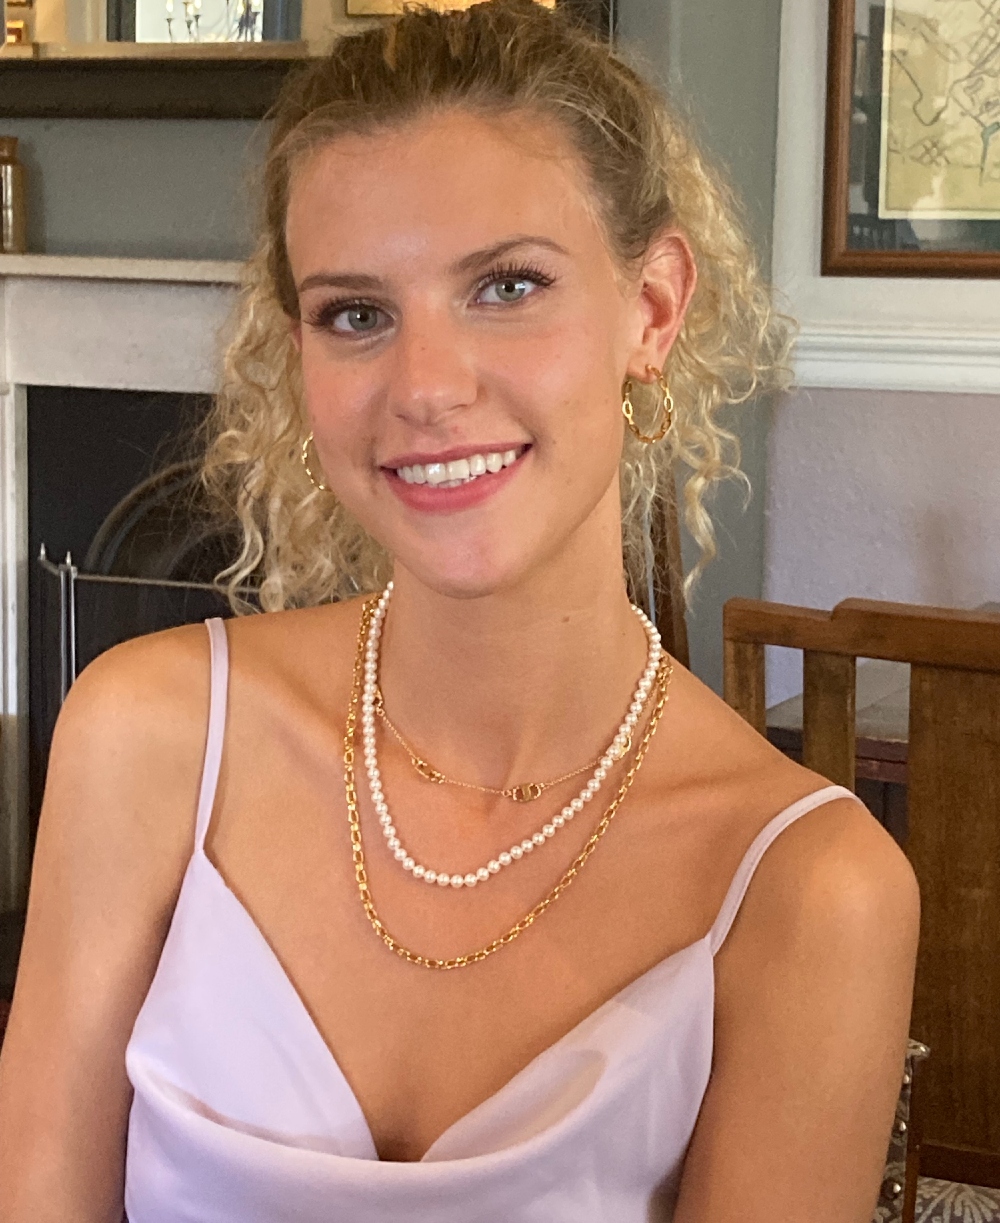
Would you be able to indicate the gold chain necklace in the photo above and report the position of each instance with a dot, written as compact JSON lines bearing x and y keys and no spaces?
{"x":527,"y":792}
{"x":357,"y":848}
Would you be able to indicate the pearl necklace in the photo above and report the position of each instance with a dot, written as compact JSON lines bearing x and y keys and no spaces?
{"x":619,"y":746}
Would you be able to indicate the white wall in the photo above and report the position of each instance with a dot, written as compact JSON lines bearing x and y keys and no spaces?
{"x":881,"y":495}
{"x":889,"y":493}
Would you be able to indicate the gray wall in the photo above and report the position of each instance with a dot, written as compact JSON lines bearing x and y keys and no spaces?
{"x":158,"y":188}
{"x":184,"y":189}
{"x":718,"y":60}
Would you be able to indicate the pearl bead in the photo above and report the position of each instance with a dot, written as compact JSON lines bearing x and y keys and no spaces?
{"x":615,"y":752}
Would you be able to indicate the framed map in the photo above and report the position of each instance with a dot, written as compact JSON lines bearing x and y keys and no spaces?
{"x":912,"y":174}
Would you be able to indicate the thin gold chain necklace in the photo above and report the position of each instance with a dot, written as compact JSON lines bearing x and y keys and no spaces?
{"x":527,"y":792}
{"x":357,"y":849}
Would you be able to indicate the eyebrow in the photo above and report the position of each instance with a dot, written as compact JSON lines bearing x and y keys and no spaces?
{"x":468,"y":263}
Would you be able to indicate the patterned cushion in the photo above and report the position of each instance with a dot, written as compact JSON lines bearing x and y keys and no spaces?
{"x":946,"y":1202}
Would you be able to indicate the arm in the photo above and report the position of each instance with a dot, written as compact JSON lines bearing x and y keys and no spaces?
{"x":114,"y":839}
{"x":814,"y":986}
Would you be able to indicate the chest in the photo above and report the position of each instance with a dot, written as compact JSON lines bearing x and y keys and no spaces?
{"x":421,"y":1048}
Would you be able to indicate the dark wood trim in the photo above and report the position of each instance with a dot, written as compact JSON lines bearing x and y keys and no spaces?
{"x":837,"y":259}
{"x":836,"y":161}
{"x":140,"y":89}
{"x":967,"y":1165}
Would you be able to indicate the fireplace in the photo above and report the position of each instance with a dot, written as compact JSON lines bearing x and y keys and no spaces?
{"x":76,"y":334}
{"x":121,"y":537}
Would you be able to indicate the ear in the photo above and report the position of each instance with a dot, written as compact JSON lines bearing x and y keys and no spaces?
{"x":295,"y":330}
{"x":666,"y":285}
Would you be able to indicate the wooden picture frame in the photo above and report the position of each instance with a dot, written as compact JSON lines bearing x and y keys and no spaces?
{"x":840,"y":256}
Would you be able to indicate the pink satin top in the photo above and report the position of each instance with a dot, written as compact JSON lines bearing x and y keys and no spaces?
{"x":242,"y":1115}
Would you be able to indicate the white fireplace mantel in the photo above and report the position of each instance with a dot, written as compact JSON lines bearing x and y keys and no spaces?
{"x":124,"y":324}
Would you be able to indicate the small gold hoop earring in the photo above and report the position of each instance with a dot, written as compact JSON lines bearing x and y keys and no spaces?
{"x":668,"y":408}
{"x":304,"y":456}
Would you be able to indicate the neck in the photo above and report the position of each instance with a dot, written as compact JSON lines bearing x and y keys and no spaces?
{"x":519,"y":684}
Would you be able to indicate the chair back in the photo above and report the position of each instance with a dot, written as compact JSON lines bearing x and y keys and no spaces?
{"x":953,"y":827}
{"x":658,"y":584}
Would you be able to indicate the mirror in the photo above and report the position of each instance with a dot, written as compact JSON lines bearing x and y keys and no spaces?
{"x":45,"y":29}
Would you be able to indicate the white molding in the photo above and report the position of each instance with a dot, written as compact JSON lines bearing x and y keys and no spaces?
{"x":13,"y":623}
{"x":86,"y":267}
{"x":120,"y":334}
{"x":883,"y":332}
{"x":867,"y":357}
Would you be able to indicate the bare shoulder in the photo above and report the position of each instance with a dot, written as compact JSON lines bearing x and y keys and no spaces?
{"x":835,"y":883}
{"x":813,"y":988}
{"x":126,"y":762}
{"x":834,"y":866}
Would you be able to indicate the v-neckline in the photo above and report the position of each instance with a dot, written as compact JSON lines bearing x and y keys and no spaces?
{"x":299,"y":1005}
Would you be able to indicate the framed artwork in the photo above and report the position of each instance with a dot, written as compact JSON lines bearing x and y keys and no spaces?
{"x":912,"y":171}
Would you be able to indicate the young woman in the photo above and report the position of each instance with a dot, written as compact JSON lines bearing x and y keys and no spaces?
{"x":463,"y":902}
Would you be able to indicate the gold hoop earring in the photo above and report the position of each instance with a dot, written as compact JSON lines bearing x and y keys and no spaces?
{"x":304,"y":456}
{"x":668,"y":408}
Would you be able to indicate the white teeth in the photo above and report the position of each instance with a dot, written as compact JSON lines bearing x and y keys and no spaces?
{"x":458,"y":471}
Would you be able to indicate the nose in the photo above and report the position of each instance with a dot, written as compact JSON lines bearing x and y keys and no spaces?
{"x":433,"y":373}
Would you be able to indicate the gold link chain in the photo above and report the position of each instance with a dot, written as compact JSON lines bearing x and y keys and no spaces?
{"x":662,"y":682}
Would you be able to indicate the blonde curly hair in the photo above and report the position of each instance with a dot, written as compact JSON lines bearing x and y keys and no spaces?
{"x":299,"y":545}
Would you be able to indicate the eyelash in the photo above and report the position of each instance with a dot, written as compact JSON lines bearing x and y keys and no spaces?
{"x":322,"y":318}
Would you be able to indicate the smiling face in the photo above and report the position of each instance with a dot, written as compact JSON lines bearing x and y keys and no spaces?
{"x":464,"y":336}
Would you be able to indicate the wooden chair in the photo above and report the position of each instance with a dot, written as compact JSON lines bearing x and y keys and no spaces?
{"x":953,"y":837}
{"x":666,"y":583}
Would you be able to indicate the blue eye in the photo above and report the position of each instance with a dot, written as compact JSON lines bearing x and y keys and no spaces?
{"x":360,"y":318}
{"x":510,"y":289}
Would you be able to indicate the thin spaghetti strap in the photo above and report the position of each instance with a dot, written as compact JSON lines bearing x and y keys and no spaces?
{"x":751,"y":859}
{"x":218,"y":690}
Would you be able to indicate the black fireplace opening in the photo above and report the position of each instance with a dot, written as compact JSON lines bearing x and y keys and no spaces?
{"x":115,"y":503}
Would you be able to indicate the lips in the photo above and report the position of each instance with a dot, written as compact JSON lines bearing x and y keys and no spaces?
{"x":453,"y":482}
